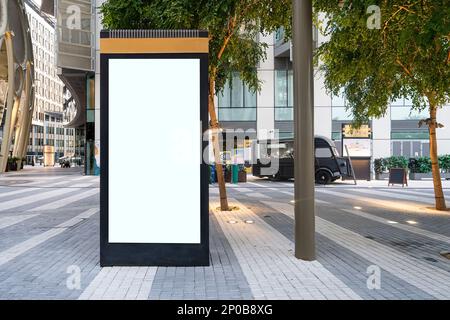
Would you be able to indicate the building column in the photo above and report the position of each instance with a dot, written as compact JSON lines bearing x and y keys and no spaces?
{"x":381,"y":136}
{"x":6,"y":142}
{"x":443,"y":134}
{"x":323,"y":121}
{"x":265,"y":115}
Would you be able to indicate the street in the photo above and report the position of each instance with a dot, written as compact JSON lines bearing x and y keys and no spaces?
{"x":373,"y":242}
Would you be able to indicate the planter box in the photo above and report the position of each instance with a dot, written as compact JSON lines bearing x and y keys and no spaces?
{"x":445,"y":175}
{"x":12,"y":166}
{"x":242,"y":176}
{"x":420,"y":176}
{"x":382,"y":176}
{"x":227,"y":176}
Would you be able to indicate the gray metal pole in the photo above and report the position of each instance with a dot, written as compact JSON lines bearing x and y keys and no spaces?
{"x":302,"y":43}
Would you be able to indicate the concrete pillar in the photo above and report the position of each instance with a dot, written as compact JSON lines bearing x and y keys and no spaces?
{"x":6,"y":142}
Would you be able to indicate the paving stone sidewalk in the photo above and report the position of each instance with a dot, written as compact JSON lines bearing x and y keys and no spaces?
{"x":49,"y":244}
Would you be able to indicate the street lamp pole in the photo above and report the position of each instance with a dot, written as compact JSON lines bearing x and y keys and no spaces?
{"x":302,"y":43}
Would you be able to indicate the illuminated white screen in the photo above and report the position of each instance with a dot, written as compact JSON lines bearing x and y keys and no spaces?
{"x":358,"y":147}
{"x":154,"y":151}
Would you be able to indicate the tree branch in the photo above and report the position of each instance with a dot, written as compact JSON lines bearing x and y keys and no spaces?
{"x":401,"y":8}
{"x":231,"y":29}
{"x":405,"y":69}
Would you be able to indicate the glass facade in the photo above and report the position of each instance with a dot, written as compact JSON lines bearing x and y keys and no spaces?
{"x":409,"y":135}
{"x":408,"y":139}
{"x":341,"y":114}
{"x":284,"y":95}
{"x":406,"y":113}
{"x":410,"y":148}
{"x":236,"y":102}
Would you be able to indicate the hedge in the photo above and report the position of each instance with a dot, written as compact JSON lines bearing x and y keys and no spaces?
{"x":415,"y":165}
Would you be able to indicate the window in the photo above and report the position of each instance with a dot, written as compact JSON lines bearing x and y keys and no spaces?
{"x":323,"y":153}
{"x":406,"y":113}
{"x":341,"y":114}
{"x":398,"y":102}
{"x":284,"y":95}
{"x":409,"y":135}
{"x":339,"y":100}
{"x":237,"y":102}
{"x":336,"y":135}
{"x":410,"y":148}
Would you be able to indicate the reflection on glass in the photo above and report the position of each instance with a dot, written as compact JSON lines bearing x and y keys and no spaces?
{"x":283,"y":150}
{"x":284,"y":98}
{"x":236,"y":102}
{"x":398,"y":102}
{"x":418,"y":135}
{"x":236,"y":92}
{"x":249,"y":98}
{"x":284,"y":114}
{"x":237,"y":114}
{"x":408,"y":102}
{"x":406,"y":113}
{"x":290,"y":88}
{"x":340,"y":113}
{"x":281,"y":88}
{"x":224,"y":98}
{"x":339,"y":100}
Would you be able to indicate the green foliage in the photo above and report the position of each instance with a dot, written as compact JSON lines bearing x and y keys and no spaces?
{"x":396,"y":162}
{"x":383,"y":165}
{"x":380,"y":165}
{"x":444,"y":163}
{"x":407,"y":57}
{"x":420,"y":165}
{"x":239,"y":20}
{"x":13,"y":159}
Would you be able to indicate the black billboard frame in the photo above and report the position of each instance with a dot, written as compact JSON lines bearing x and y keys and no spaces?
{"x":152,"y":254}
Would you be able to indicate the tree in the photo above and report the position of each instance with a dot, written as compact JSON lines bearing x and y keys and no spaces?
{"x":377,"y":54}
{"x":233,"y":26}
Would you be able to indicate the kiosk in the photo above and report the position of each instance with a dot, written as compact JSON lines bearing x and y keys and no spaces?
{"x":358,"y":142}
{"x":154,"y":100}
{"x":49,"y":156}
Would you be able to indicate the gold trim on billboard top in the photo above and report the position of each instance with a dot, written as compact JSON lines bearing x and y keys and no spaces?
{"x":154,"y":45}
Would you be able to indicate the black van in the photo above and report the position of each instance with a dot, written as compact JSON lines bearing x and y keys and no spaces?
{"x":329,"y":166}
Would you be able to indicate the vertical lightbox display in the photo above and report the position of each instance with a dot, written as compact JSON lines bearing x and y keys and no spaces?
{"x":154,"y":182}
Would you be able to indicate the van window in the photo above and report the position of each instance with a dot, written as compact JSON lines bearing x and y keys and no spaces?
{"x":323,"y":153}
{"x":281,"y":150}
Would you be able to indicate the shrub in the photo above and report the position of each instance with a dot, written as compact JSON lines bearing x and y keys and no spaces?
{"x":420,"y":165}
{"x":380,"y":165}
{"x":13,"y":159}
{"x":397,"y":162}
{"x":444,"y":163}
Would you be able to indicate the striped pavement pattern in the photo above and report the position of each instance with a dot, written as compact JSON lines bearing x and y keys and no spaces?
{"x":262,"y":252}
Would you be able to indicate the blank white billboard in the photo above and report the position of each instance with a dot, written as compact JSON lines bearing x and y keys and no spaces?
{"x":154,"y":151}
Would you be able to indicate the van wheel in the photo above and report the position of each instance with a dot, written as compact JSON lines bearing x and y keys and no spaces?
{"x":323,"y":177}
{"x":275,"y":177}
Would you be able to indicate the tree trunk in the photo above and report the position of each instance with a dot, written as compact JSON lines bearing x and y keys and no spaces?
{"x":216,"y":148}
{"x":438,"y":194}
